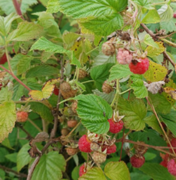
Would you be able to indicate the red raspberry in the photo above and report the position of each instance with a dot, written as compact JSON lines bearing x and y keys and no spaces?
{"x":171,"y":166}
{"x":174,"y":15}
{"x":110,"y":149}
{"x":165,"y":160}
{"x":3,"y":59}
{"x":22,"y":116}
{"x":173,"y":143}
{"x":84,"y":144}
{"x":56,"y":91}
{"x":139,"y":67}
{"x":137,"y":162}
{"x":115,"y":127}
{"x":82,"y":170}
{"x":124,"y":56}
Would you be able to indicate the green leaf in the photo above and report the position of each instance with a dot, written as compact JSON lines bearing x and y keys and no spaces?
{"x":100,"y":73}
{"x":151,"y":17}
{"x":25,"y":31}
{"x":8,"y":7}
{"x":53,"y":6}
{"x":119,"y":71}
{"x":5,"y":23}
{"x":156,"y":171}
{"x":3,"y":152}
{"x":144,"y":3}
{"x":103,"y":25}
{"x":98,"y":8}
{"x":43,"y":44}
{"x":42,"y":110}
{"x":134,"y":111}
{"x":150,"y":42}
{"x":140,"y":91}
{"x":160,"y":102}
{"x":7,"y":119}
{"x":23,"y":157}
{"x":92,"y":174}
{"x":117,"y":171}
{"x":141,"y":176}
{"x":103,"y":59}
{"x":150,"y":137}
{"x":165,"y":12}
{"x":5,"y":95}
{"x":94,"y":112}
{"x":42,"y":71}
{"x":12,"y":157}
{"x":169,"y":26}
{"x":153,"y":123}
{"x":50,"y":167}
{"x":170,"y":121}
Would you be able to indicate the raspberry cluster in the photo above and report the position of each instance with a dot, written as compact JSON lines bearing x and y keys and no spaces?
{"x":124,"y":56}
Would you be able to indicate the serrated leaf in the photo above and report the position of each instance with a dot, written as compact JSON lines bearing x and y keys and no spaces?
{"x":117,"y":171}
{"x":134,"y":112}
{"x":12,"y":157}
{"x":100,"y":73}
{"x":155,"y":72}
{"x":53,"y":6}
{"x":42,"y":110}
{"x":42,"y":71}
{"x":46,"y":91}
{"x":25,"y":31}
{"x":49,"y":167}
{"x":165,"y":12}
{"x":153,"y":123}
{"x":156,"y":171}
{"x":103,"y":25}
{"x":5,"y":23}
{"x":8,"y":7}
{"x":170,"y":121}
{"x":160,"y":103}
{"x":92,"y":174}
{"x":150,"y":42}
{"x":168,"y":26}
{"x":98,"y":8}
{"x":119,"y":71}
{"x":152,"y":51}
{"x":140,"y":91}
{"x":144,"y":3}
{"x":23,"y":157}
{"x":5,"y":95}
{"x":94,"y":112}
{"x":151,"y":17}
{"x":7,"y":118}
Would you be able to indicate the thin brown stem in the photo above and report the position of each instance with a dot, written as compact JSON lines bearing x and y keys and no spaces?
{"x":8,"y":170}
{"x":6,"y":70}
{"x":17,"y":8}
{"x":154,"y":111}
{"x":24,"y":130}
{"x":122,"y":144}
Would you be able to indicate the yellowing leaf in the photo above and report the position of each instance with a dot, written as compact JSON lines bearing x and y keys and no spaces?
{"x":46,"y":91}
{"x":7,"y":119}
{"x":156,"y":72}
{"x":152,"y":51}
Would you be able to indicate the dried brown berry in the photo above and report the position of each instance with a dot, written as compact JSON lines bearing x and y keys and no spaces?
{"x":98,"y":157}
{"x":74,"y":106}
{"x":64,"y":131}
{"x":67,"y":91}
{"x":72,"y":151}
{"x":108,"y":48}
{"x":72,"y":123}
{"x":82,"y":74}
{"x":107,"y":88}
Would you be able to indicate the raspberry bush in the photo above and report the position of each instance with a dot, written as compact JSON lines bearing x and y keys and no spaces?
{"x":87,"y":90}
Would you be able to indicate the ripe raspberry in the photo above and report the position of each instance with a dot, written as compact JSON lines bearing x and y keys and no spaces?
{"x":115,"y":127}
{"x":165,"y":160}
{"x":72,"y":123}
{"x":108,"y":48}
{"x":99,"y":157}
{"x":171,"y":166}
{"x":82,"y":170}
{"x":139,"y":67}
{"x":56,"y":91}
{"x":3,"y":59}
{"x":124,"y":56}
{"x":137,"y":162}
{"x":174,"y":15}
{"x":84,"y":144}
{"x":72,"y":151}
{"x":22,"y":116}
{"x":110,"y":149}
{"x":82,"y":74}
{"x":107,"y":88}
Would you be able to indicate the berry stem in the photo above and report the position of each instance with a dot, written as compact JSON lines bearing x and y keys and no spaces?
{"x":116,"y":97}
{"x":73,"y":129}
{"x":122,"y":144}
{"x":34,"y":125}
{"x":65,"y":100}
{"x":17,"y":8}
{"x":154,"y":111}
{"x":88,"y":81}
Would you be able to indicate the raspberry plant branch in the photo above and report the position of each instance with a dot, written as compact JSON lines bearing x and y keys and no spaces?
{"x":122,"y":144}
{"x":17,"y":8}
{"x":29,"y":136}
{"x":156,"y":115}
